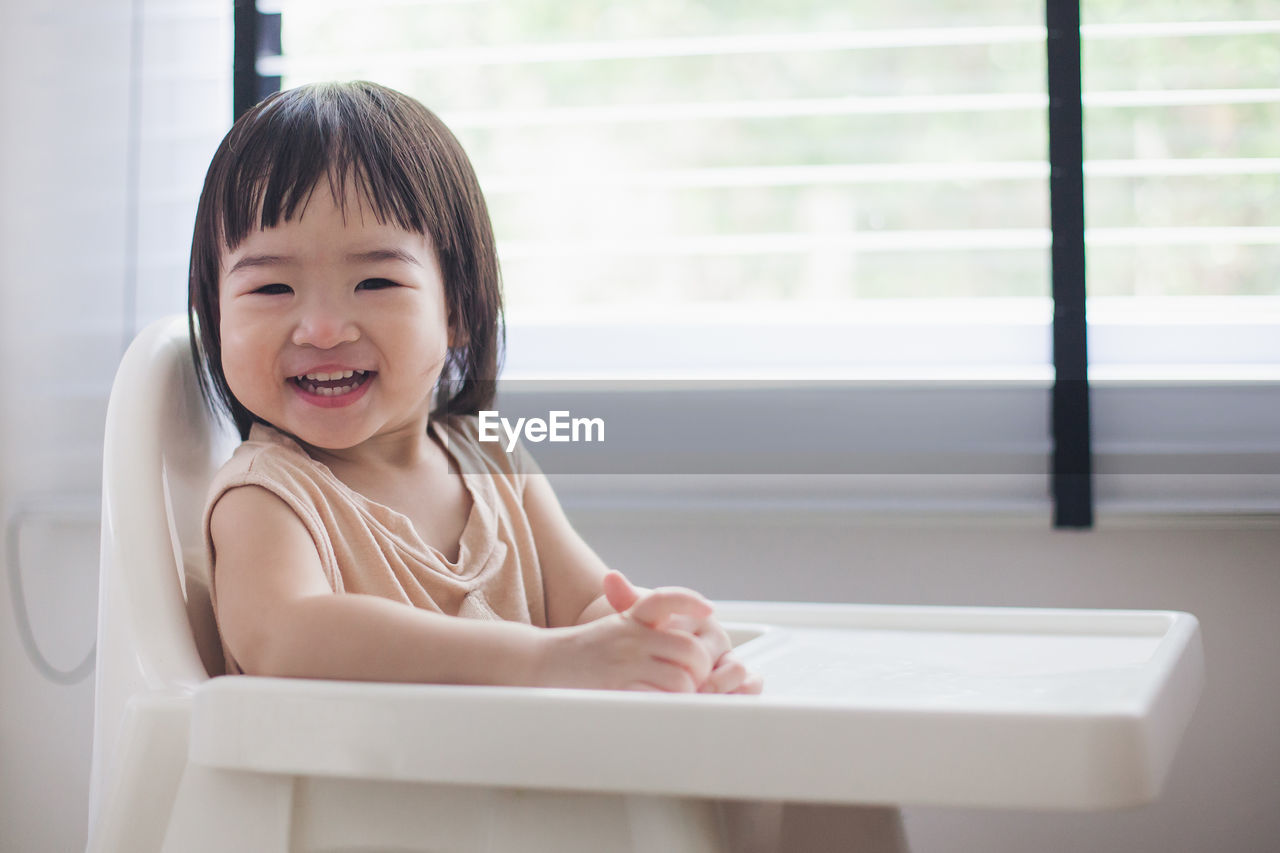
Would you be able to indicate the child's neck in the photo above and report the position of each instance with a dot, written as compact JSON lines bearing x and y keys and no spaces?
{"x":410,"y":449}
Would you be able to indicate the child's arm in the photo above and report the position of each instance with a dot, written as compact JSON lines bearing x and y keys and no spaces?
{"x":573,"y":575}
{"x":279,"y":617}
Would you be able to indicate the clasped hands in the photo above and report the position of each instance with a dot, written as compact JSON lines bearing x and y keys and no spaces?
{"x":662,"y":639}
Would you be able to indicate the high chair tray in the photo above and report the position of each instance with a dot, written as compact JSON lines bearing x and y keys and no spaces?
{"x":976,"y":707}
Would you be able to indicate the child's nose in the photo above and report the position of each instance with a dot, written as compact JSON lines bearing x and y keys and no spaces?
{"x":324,"y":327}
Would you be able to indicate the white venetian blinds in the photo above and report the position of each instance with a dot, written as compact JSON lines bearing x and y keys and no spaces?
{"x":781,"y":153}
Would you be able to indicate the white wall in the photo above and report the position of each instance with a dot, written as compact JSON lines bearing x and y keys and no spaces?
{"x":62,"y":258}
{"x":111,"y":110}
{"x":1222,"y":792}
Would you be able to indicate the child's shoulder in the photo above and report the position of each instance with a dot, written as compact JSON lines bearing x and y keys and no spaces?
{"x":266,"y":454}
{"x":268,"y":443}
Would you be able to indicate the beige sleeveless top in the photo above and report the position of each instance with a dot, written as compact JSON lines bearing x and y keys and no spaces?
{"x":366,"y":547}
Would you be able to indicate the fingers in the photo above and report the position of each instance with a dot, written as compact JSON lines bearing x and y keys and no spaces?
{"x":619,"y":592}
{"x":665,"y":679}
{"x":671,"y":661}
{"x":727,"y":676}
{"x":663,"y":676}
{"x":685,"y":616}
{"x":681,"y":640}
{"x":661,"y":605}
{"x":731,"y":676}
{"x":715,"y":638}
{"x":666,"y":607}
{"x":684,"y":651}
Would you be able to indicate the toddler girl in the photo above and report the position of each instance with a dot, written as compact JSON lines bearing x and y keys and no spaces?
{"x":346,"y":312}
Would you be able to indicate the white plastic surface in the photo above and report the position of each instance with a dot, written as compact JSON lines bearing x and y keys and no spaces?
{"x":940,"y":706}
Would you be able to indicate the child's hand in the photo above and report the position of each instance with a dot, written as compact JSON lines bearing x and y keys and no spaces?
{"x":621,"y":653}
{"x":685,"y":611}
{"x":637,"y":650}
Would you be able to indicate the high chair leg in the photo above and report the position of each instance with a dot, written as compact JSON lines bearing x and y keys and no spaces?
{"x":772,"y":827}
{"x":153,"y":749}
{"x":220,"y":810}
{"x":674,"y":825}
{"x":814,"y":828}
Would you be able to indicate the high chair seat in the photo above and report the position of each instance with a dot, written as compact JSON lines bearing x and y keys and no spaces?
{"x":1003,"y":708}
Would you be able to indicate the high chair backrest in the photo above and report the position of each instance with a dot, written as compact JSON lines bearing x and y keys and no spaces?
{"x":161,"y":449}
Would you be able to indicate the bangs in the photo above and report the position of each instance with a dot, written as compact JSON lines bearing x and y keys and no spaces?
{"x":338,"y":134}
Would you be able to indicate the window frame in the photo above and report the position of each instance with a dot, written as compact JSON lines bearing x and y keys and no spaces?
{"x":1218,"y":454}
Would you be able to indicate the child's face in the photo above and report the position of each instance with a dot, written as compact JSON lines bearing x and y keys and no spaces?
{"x":354,"y":299}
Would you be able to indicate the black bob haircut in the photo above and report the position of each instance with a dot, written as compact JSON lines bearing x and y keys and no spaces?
{"x":411,"y":170}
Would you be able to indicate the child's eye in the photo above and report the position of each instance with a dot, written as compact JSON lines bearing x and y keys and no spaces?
{"x":274,"y":289}
{"x":375,"y":284}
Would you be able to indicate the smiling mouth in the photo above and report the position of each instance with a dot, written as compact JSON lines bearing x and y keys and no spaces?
{"x":333,"y":384}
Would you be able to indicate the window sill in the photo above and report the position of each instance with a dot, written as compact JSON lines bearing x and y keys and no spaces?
{"x":905,"y":434}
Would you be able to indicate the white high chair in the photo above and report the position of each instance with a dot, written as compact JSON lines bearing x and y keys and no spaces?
{"x":863,"y":705}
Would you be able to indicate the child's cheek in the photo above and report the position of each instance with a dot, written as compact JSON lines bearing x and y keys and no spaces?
{"x":243,"y":366}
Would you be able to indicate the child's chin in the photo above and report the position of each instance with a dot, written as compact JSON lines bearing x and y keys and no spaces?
{"x":331,"y":440}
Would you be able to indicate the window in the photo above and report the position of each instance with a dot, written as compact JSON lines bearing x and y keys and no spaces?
{"x":695,"y":154}
{"x":858,"y":192}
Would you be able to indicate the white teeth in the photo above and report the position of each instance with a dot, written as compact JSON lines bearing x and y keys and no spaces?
{"x":326,"y":377}
{"x":333,"y":392}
